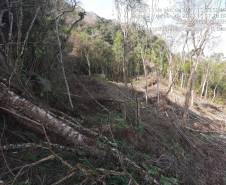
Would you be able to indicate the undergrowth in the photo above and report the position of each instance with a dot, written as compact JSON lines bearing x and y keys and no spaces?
{"x":171,"y":154}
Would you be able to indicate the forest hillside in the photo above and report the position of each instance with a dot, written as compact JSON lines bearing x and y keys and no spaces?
{"x":86,"y":100}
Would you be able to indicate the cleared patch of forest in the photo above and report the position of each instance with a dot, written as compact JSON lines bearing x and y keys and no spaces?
{"x":82,"y":101}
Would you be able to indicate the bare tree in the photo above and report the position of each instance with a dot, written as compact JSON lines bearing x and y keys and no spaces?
{"x":60,"y":58}
{"x":173,"y":41}
{"x":207,"y":71}
{"x":74,"y":4}
{"x":144,"y":19}
{"x":125,"y":14}
{"x":182,"y":58}
{"x":142,"y":37}
{"x":199,"y":37}
{"x":19,"y":54}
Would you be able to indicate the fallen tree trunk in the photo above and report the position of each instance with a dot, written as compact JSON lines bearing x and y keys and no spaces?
{"x":20,"y":109}
{"x":83,"y":138}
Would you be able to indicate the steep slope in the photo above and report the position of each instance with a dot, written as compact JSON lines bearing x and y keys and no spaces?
{"x":168,"y":152}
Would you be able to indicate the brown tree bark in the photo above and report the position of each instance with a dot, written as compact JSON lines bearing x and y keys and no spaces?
{"x":189,"y":89}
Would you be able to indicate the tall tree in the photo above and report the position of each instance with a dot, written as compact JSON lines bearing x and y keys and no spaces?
{"x":195,"y":10}
{"x":143,"y":32}
{"x":118,"y":49}
{"x":125,"y":14}
{"x":60,"y":57}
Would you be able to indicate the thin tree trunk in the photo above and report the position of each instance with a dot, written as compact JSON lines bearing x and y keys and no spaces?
{"x":207,"y":73}
{"x":145,"y":75}
{"x":19,"y":30}
{"x":4,"y":51}
{"x":119,"y":65}
{"x":203,"y":86}
{"x":157,"y":77}
{"x":124,"y":66}
{"x":172,"y":83}
{"x":10,"y":25}
{"x":124,"y":112}
{"x":138,"y":72}
{"x":214,"y":92}
{"x":88,"y":62}
{"x":106,"y":70}
{"x":138,"y":111}
{"x":61,"y":62}
{"x":161,"y":58}
{"x":25,"y":42}
{"x":193,"y":83}
{"x":182,"y":59}
{"x":192,"y":90}
{"x":146,"y":84}
{"x":189,"y":89}
{"x":207,"y":83}
{"x":170,"y":73}
{"x":182,"y":79}
{"x":8,"y":47}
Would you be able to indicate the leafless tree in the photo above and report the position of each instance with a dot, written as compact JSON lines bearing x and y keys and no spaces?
{"x":200,"y":31}
{"x":207,"y":72}
{"x":144,"y":17}
{"x":125,"y":15}
{"x":58,"y":14}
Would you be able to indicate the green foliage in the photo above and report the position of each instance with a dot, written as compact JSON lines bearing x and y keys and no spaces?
{"x":31,"y":157}
{"x":47,"y":86}
{"x":129,"y":102}
{"x":121,"y":140}
{"x":119,"y":180}
{"x":101,"y":41}
{"x":163,"y":139}
{"x":28,"y":14}
{"x":224,"y":179}
{"x":149,"y":156}
{"x":139,"y":128}
{"x":187,"y":67}
{"x":169,"y":181}
{"x":176,"y":144}
{"x":82,"y":14}
{"x":78,"y":175}
{"x":155,"y":171}
{"x":24,"y":150}
{"x":118,"y":38}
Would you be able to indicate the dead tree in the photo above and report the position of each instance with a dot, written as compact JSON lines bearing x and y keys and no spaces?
{"x":81,"y":137}
{"x":199,"y":40}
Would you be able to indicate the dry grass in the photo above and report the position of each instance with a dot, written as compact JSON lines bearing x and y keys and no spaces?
{"x":194,"y":158}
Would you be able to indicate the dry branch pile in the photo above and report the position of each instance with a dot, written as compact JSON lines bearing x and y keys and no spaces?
{"x":82,"y":138}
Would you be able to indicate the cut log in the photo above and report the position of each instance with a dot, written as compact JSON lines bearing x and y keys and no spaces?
{"x":81,"y":137}
{"x":21,"y":109}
